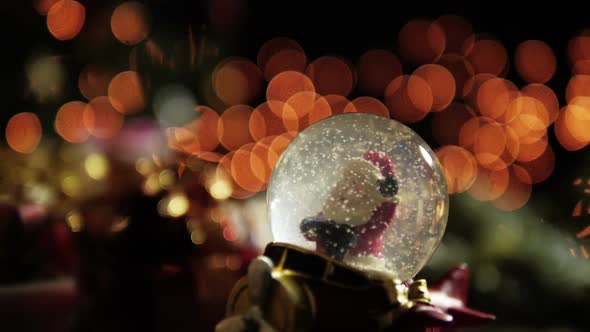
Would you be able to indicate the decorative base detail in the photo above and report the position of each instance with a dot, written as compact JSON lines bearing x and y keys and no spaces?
{"x":294,"y":289}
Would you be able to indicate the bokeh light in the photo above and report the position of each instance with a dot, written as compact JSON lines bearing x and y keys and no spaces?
{"x":540,"y":168}
{"x":460,"y":68}
{"x":489,"y":184}
{"x":274,"y":46}
{"x":248,"y":169}
{"x":285,"y":60}
{"x":562,"y":130}
{"x":487,"y":56}
{"x":287,"y":84}
{"x":441,"y":82}
{"x":409,"y":98}
{"x":65,"y":19}
{"x":265,"y":122}
{"x":174,"y":105}
{"x":459,"y":167}
{"x":101,"y":119}
{"x":126,"y":92}
{"x":376,"y":68}
{"x":578,"y":85}
{"x":94,"y":80}
{"x":421,"y":41}
{"x":535,"y":61}
{"x":96,"y":166}
{"x":233,"y":127}
{"x":203,"y":130}
{"x":46,"y":78}
{"x":23,"y":132}
{"x":237,"y":81}
{"x":517,"y":192}
{"x":367,"y":105}
{"x":447,"y":124}
{"x":494,"y":97}
{"x":545,"y":95}
{"x":130,"y":22}
{"x":331,"y":75}
{"x":458,"y":33}
{"x":69,"y":122}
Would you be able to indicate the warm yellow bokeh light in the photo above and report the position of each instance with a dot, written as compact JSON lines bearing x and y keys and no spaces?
{"x":97,"y":166}
{"x":178,"y":205}
{"x":220,"y":189}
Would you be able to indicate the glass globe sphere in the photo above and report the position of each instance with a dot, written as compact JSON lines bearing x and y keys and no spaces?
{"x":364,"y":190}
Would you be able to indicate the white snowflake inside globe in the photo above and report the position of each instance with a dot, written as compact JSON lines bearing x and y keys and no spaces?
{"x":361,"y":189}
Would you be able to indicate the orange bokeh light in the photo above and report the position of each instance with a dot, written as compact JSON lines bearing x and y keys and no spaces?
{"x":563,"y":134}
{"x":265,"y":122}
{"x":101,"y":119}
{"x":533,"y":150}
{"x":441,"y":82}
{"x":263,"y":152}
{"x":69,"y":122}
{"x":232,"y":127}
{"x":487,"y":56}
{"x":460,"y":68}
{"x":471,"y":88}
{"x":545,"y":95}
{"x":237,"y":81}
{"x":286,"y":60}
{"x":130,"y":22}
{"x":42,"y":6}
{"x":494,"y":96}
{"x":247,"y":169}
{"x":458,"y":33}
{"x":489,"y":184}
{"x":65,"y":19}
{"x":447,"y":124}
{"x":528,"y":117}
{"x":126,"y":93}
{"x":274,"y":46}
{"x":368,"y":105}
{"x":578,"y":85}
{"x":517,"y":192}
{"x":421,"y":41}
{"x":581,"y":67}
{"x":408,"y":98}
{"x":376,"y":68}
{"x":578,"y":49}
{"x":459,"y":168}
{"x":496,"y":146}
{"x":286,"y":84}
{"x":540,"y":168}
{"x":331,"y":75}
{"x":203,"y":130}
{"x":535,"y":61}
{"x":470,"y":129}
{"x":23,"y":132}
{"x":321,"y":110}
{"x":577,"y":118}
{"x":278,"y":146}
{"x":94,"y":80}
{"x":223,"y":171}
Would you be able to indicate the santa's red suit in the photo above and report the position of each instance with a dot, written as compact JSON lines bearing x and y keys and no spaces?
{"x":358,"y":211}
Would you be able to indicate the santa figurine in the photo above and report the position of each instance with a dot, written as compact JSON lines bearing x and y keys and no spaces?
{"x":357,"y":212}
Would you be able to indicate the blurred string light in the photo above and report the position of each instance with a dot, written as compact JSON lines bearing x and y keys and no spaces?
{"x":46,"y":77}
{"x":174,"y":105}
{"x":174,"y":205}
{"x":131,"y":22}
{"x":96,"y":166}
{"x":23,"y":132}
{"x":65,"y":19}
{"x":126,"y":93}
